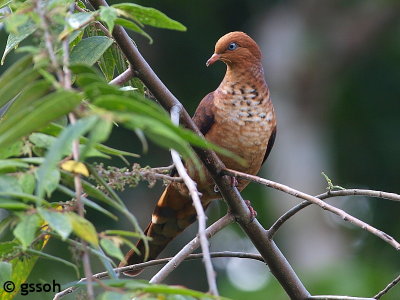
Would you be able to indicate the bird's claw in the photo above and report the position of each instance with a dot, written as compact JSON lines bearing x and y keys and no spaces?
{"x":234,"y":181}
{"x":253,"y":213}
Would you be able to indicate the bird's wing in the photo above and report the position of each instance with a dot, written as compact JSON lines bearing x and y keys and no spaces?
{"x":270,"y":144}
{"x":204,"y":114}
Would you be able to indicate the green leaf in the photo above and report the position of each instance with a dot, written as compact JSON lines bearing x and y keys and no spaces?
{"x":11,"y":88}
{"x":11,"y":150}
{"x":9,"y":165}
{"x":37,"y":115}
{"x":55,"y":258}
{"x":55,"y":129}
{"x":54,"y":154}
{"x":58,"y":221}
{"x":14,"y":39}
{"x":134,"y":27}
{"x":107,"y":64}
{"x":26,"y":229}
{"x":12,"y":205}
{"x":124,"y":233}
{"x":27,"y":183}
{"x":29,"y":94}
{"x":108,"y":15}
{"x":149,"y":16}
{"x":5,"y":271}
{"x":9,"y":183}
{"x":87,"y":202}
{"x":24,"y":197}
{"x":8,"y":248}
{"x":83,"y":229}
{"x":89,"y":50}
{"x":17,"y":68}
{"x":51,"y":181}
{"x":111,"y":248}
{"x":76,"y":22}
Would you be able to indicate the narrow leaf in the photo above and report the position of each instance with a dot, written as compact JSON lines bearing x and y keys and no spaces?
{"x":134,"y":27}
{"x":14,"y":39}
{"x":111,"y":248}
{"x":88,"y":51}
{"x":149,"y":16}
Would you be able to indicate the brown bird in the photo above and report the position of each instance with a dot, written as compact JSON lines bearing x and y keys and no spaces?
{"x":238,"y":116}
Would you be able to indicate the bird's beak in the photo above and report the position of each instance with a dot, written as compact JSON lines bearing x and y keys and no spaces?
{"x":213,"y":59}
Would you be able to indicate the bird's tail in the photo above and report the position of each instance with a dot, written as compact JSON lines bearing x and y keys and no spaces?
{"x":173,"y":213}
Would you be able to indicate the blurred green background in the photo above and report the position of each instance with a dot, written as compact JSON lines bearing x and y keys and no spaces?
{"x":333,"y":68}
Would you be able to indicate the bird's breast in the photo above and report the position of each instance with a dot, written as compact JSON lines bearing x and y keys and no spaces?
{"x":244,"y":119}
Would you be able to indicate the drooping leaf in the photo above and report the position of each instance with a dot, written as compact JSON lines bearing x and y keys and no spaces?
{"x":54,"y":154}
{"x":9,"y":165}
{"x":37,"y":115}
{"x":26,"y":229}
{"x":11,"y":150}
{"x":30,"y":93}
{"x":149,"y":16}
{"x":14,"y":39}
{"x":88,"y":51}
{"x":76,"y":21}
{"x":57,"y":221}
{"x":27,"y":182}
{"x":133,"y":26}
{"x":111,"y":248}
{"x":9,"y":183}
{"x":83,"y":229}
{"x":108,"y":15}
{"x":11,"y":88}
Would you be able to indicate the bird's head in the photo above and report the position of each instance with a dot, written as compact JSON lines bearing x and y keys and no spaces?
{"x":236,"y":48}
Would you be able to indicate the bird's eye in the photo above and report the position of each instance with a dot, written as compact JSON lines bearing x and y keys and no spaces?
{"x":232,"y":46}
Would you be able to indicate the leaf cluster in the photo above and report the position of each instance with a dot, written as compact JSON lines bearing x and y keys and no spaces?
{"x":65,"y":40}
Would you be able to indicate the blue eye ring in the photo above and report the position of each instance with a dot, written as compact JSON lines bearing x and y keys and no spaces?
{"x":232,"y":46}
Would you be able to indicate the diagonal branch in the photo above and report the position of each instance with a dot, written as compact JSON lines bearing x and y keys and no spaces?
{"x":277,"y":263}
{"x":201,"y":216}
{"x":387,"y":288}
{"x":345,"y":216}
{"x":172,"y":262}
{"x":347,"y":192}
{"x":190,"y":247}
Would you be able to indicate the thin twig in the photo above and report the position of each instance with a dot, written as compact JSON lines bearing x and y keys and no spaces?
{"x":201,"y":216}
{"x":125,"y":76}
{"x":160,"y":261}
{"x":347,"y":192}
{"x":77,"y":178}
{"x":190,"y":247}
{"x":345,"y":216}
{"x":277,"y":262}
{"x":48,"y":40}
{"x":387,"y":288}
{"x":332,"y":297}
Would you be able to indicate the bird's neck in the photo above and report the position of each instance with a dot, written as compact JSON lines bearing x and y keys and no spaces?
{"x":246,"y":74}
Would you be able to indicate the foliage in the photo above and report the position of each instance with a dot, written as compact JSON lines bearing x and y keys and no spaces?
{"x":37,"y":164}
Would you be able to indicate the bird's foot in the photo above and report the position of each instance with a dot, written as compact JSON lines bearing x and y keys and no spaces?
{"x":253,"y":213}
{"x":234,"y":181}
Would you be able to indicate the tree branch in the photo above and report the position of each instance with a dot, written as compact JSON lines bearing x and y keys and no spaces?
{"x":347,"y":192}
{"x":173,"y":262}
{"x":123,"y":77}
{"x":190,"y":247}
{"x":387,"y":288}
{"x":277,"y":263}
{"x":201,"y":216}
{"x":345,"y":216}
